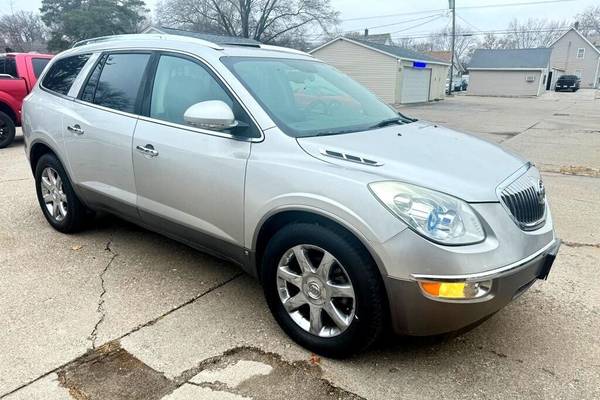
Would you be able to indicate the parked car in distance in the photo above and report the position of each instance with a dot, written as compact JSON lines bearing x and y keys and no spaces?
{"x":18,"y":74}
{"x":354,"y":217}
{"x":459,"y":84}
{"x":567,"y":82}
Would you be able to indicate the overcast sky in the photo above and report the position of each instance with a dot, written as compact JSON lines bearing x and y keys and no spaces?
{"x":492,"y":18}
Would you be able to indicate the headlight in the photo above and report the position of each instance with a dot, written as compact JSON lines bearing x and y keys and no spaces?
{"x":437,"y":216}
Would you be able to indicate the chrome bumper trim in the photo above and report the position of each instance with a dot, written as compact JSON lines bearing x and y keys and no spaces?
{"x":491,"y":274}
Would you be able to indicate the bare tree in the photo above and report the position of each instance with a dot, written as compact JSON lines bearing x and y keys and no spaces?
{"x":269,"y":21}
{"x":589,"y":21}
{"x":22,"y":31}
{"x":533,"y":33}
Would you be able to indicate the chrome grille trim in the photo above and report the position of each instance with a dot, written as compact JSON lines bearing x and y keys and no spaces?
{"x":523,"y":197}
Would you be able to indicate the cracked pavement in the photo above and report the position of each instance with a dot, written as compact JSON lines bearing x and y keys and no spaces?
{"x":117,"y":311}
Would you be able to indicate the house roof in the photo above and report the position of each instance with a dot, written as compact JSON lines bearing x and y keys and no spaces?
{"x":393,"y":51}
{"x":218,"y":39}
{"x":381,"y":38}
{"x":440,"y":55}
{"x":510,"y":59}
{"x":579,"y":33}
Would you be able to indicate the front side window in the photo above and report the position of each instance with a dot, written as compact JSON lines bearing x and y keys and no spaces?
{"x":180,"y":83}
{"x":308,"y":98}
{"x":63,"y":72}
{"x":38,"y":65}
{"x":116,"y":81}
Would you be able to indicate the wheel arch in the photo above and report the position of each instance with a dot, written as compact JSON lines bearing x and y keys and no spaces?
{"x":6,"y":109}
{"x":273,"y":222}
{"x":38,"y":148}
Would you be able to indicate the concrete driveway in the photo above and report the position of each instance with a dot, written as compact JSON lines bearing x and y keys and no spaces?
{"x":120,"y":312}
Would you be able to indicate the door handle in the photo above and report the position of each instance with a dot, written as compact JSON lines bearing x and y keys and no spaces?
{"x":75,"y":129}
{"x":147,"y":150}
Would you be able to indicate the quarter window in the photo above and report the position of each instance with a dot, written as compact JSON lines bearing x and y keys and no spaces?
{"x":119,"y":81}
{"x":63,"y":72}
{"x":580,"y":52}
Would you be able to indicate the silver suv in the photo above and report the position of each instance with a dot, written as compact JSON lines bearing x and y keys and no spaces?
{"x":353,"y":216}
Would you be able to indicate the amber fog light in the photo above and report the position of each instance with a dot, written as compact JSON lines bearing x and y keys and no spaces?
{"x":456,"y":290}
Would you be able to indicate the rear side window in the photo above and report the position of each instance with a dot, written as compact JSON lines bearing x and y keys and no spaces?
{"x":38,"y":65}
{"x":116,"y":80}
{"x":63,"y":72}
{"x":8,"y":66}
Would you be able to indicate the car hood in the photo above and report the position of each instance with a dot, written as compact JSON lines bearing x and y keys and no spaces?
{"x":424,"y":154}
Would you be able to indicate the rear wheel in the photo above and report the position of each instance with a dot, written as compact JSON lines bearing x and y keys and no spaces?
{"x":7,"y":130}
{"x":60,"y":205}
{"x":324,"y":289}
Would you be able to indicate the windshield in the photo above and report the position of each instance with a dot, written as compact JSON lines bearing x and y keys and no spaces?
{"x":310,"y":98}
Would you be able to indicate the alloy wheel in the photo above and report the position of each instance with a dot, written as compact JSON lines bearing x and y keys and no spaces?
{"x":316,"y":290}
{"x":53,"y":194}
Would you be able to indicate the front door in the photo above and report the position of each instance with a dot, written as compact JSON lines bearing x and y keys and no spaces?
{"x":190,"y":181}
{"x":99,"y":128}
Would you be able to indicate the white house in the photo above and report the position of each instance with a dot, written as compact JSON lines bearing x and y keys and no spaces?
{"x":510,"y":72}
{"x":395,"y":74}
{"x":574,"y":54}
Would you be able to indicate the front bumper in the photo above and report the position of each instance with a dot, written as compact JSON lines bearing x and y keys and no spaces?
{"x":413,"y":313}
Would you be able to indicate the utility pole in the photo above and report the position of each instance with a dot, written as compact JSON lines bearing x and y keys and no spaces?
{"x":452,"y":5}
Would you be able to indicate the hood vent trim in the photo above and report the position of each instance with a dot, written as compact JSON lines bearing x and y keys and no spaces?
{"x":349,"y":157}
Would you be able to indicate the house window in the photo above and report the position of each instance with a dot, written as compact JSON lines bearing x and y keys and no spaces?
{"x":580,"y":52}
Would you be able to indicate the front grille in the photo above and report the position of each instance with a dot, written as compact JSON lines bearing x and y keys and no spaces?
{"x":525,"y":199}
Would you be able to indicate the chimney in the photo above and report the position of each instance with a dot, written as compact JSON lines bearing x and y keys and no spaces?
{"x":576,"y":25}
{"x":366,"y":32}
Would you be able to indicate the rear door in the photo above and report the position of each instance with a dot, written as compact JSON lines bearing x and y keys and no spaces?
{"x":99,"y":130}
{"x":192,"y":185}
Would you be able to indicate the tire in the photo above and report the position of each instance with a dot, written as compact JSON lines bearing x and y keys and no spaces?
{"x":7,"y":130}
{"x":75,"y":212}
{"x":370,"y":305}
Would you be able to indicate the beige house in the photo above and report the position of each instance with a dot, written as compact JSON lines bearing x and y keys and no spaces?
{"x":573,"y":54}
{"x":510,"y":72}
{"x":395,"y":74}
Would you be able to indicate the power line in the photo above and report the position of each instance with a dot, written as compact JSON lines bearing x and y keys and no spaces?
{"x":483,"y":32}
{"x":402,"y":22}
{"x":528,"y":3}
{"x":417,"y":25}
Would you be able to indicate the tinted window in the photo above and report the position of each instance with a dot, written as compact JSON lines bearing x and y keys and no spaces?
{"x":119,"y":81}
{"x":89,"y":90}
{"x":38,"y":65}
{"x":63,"y":72}
{"x":8,"y":65}
{"x":180,"y":83}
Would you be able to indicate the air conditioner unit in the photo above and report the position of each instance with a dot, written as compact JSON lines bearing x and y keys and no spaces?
{"x":530,"y":78}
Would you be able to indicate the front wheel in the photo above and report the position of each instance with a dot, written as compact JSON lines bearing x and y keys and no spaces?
{"x":324,"y":289}
{"x":7,"y":130}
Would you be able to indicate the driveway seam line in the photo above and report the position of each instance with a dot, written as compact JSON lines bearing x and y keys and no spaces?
{"x":137,"y":328}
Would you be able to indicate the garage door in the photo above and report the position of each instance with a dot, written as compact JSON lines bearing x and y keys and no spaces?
{"x":415,"y":85}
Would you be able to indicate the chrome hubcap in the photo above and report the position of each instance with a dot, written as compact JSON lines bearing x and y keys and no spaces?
{"x":53,"y":194}
{"x":316,"y":290}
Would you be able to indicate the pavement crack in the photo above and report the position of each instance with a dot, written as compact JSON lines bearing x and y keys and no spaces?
{"x":578,"y":244}
{"x":100,"y":309}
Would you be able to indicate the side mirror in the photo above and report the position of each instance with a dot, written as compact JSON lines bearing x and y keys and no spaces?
{"x":214,"y":115}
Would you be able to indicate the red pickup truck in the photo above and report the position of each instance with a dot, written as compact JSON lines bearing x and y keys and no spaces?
{"x":18,"y":74}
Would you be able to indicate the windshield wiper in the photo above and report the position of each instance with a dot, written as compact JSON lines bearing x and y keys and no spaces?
{"x":386,"y":122}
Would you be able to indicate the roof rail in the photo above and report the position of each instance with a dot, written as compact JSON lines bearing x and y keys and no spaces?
{"x":283,"y":49}
{"x":146,"y":36}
